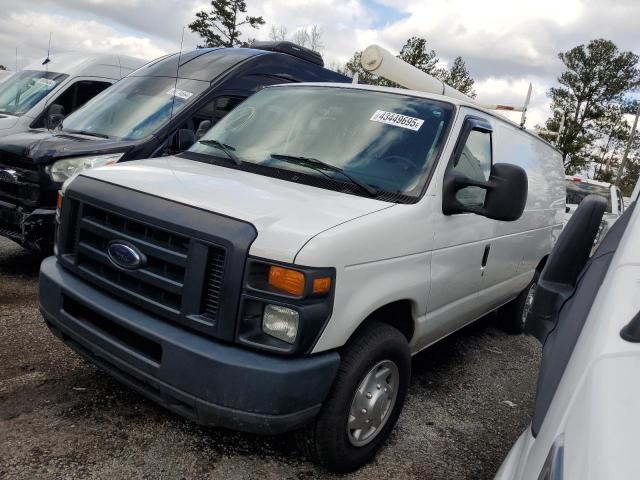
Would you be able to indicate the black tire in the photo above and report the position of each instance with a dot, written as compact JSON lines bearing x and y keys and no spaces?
{"x":510,"y":316}
{"x":326,"y":441}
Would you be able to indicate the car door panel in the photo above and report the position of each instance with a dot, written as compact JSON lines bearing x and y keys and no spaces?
{"x":459,"y":246}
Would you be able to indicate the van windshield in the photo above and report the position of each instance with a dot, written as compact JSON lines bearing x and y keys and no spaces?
{"x":24,"y":89}
{"x":387,"y":141}
{"x":577,"y":191}
{"x":135,"y":107}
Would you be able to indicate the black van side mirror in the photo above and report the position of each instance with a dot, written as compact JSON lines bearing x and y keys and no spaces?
{"x":184,"y":139}
{"x":568,"y":257}
{"x":55,"y":116}
{"x":505,"y":198}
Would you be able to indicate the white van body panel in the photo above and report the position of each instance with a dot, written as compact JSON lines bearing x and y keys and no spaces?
{"x":595,"y":406}
{"x":102,"y":67}
{"x":285,"y":214}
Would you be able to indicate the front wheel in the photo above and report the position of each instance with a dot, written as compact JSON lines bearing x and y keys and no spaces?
{"x":513,"y":316}
{"x":364,"y":403}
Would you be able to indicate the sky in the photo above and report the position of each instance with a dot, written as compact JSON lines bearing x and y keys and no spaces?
{"x":505,"y":43}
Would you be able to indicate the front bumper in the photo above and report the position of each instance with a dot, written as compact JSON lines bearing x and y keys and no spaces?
{"x":33,"y":229}
{"x":208,"y":381}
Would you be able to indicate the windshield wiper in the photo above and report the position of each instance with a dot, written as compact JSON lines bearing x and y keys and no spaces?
{"x":224,"y":147}
{"x":320,"y":165}
{"x":90,"y":134}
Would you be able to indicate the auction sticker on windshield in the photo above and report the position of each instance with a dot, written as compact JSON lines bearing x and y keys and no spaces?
{"x":397,"y":120}
{"x":179,"y":93}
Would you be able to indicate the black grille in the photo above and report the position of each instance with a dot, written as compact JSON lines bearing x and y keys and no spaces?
{"x":20,"y":181}
{"x":215,"y":270}
{"x":159,"y":285}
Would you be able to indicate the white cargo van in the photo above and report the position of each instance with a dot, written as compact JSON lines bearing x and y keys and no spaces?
{"x":279,"y":275}
{"x":66,"y":80}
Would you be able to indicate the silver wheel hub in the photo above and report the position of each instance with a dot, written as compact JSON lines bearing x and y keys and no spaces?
{"x":373,"y":403}
{"x":528,"y":303}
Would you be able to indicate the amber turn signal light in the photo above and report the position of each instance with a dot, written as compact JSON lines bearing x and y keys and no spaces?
{"x":289,"y":281}
{"x":59,"y":200}
{"x":321,"y":285}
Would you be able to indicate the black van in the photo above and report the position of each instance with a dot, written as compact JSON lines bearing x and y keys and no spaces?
{"x":160,"y":109}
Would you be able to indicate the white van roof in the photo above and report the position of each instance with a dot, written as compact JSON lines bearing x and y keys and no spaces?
{"x":418,"y":93}
{"x":89,"y":65}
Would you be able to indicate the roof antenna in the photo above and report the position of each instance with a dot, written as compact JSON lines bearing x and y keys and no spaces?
{"x":175,"y":85}
{"x":47,"y":60}
{"x":523,"y":119}
{"x":16,"y":59}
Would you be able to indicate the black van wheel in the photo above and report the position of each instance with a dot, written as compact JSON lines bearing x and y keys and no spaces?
{"x":364,"y":403}
{"x":513,"y":316}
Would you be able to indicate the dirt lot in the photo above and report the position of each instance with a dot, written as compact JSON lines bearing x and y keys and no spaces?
{"x":62,"y":418}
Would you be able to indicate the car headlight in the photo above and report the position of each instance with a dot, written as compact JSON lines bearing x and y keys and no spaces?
{"x":66,"y":168}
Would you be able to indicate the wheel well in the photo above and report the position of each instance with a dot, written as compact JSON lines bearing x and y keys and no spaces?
{"x":542,"y":263}
{"x":397,"y":314}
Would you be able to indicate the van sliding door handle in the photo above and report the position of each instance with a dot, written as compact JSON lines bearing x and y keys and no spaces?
{"x":485,"y":256}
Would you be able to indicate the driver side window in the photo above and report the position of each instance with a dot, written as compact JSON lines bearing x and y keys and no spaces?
{"x":474,"y":162}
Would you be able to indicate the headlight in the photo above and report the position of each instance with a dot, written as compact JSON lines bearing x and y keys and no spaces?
{"x":64,"y":169}
{"x":284,"y":307}
{"x":280,"y":322}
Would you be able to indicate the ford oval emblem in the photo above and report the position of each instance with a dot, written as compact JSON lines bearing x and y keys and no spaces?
{"x":125,"y":255}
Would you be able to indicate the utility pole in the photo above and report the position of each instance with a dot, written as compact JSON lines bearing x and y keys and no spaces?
{"x":623,"y":163}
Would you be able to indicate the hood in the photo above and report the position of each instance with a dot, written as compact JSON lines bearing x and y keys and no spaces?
{"x":44,"y":146}
{"x":7,"y":121}
{"x":285,"y":214}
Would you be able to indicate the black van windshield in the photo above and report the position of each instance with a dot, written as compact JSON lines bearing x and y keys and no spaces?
{"x":387,"y":141}
{"x":24,"y":89}
{"x":577,"y":191}
{"x":135,"y":107}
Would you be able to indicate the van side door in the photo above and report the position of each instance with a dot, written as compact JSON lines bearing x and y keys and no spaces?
{"x":518,"y":247}
{"x":462,"y":242}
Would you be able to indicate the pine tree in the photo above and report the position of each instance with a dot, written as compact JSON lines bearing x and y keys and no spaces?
{"x":596,"y":81}
{"x":220,"y":27}
{"x":416,"y":53}
{"x":459,"y":77}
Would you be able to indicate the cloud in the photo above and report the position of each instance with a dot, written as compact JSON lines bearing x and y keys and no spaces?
{"x":505,"y":43}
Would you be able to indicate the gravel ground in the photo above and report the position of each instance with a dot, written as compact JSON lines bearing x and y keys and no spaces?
{"x":60,"y":417}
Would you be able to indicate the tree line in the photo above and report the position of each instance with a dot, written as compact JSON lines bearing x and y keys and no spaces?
{"x":593,"y":98}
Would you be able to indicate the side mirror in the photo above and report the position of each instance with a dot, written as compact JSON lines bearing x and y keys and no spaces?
{"x":203,"y":128}
{"x":505,"y":198}
{"x":568,"y":257}
{"x":55,"y":116}
{"x":185,"y":138}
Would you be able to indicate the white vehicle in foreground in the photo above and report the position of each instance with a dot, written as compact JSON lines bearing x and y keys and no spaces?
{"x":587,"y":315}
{"x":578,"y":188}
{"x":57,"y":87}
{"x":279,"y":275}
